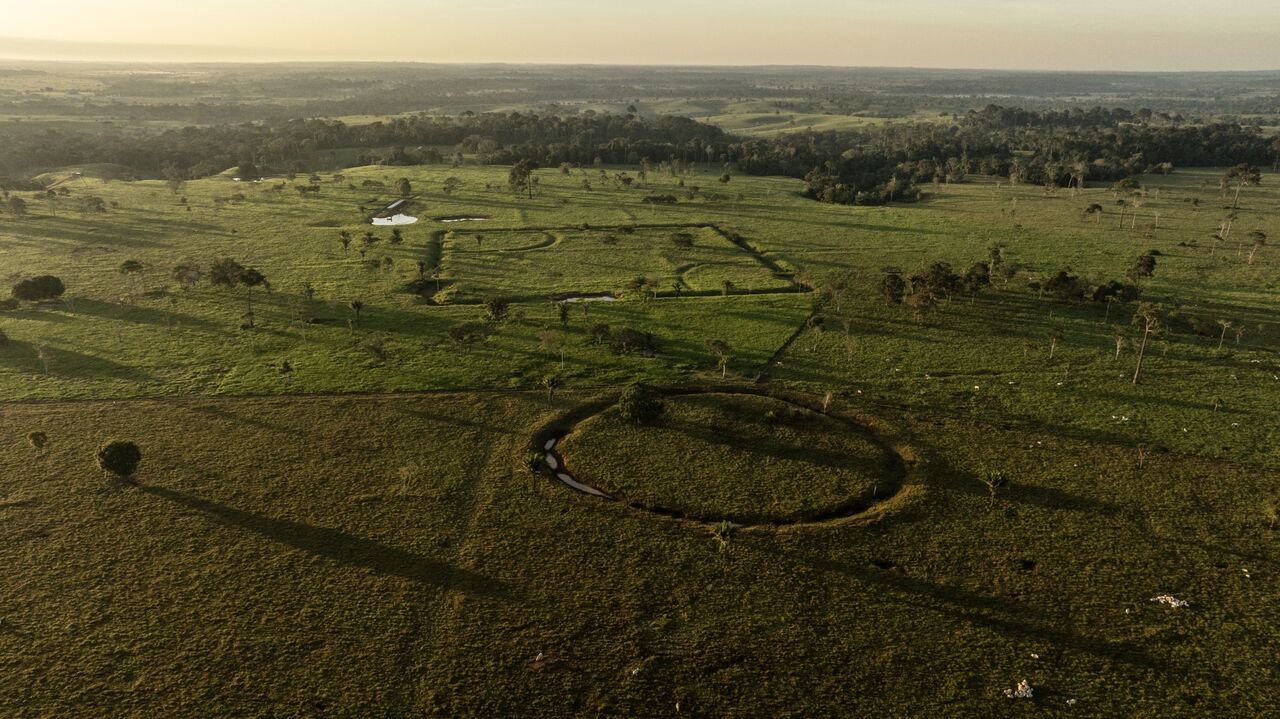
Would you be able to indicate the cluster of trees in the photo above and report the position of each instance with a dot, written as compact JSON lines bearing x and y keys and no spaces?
{"x":874,"y":165}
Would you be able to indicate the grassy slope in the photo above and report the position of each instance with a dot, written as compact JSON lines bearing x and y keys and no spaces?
{"x":275,"y":563}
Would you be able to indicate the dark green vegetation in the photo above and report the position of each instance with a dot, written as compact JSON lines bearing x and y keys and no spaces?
{"x":1059,"y":387}
{"x":740,"y":458}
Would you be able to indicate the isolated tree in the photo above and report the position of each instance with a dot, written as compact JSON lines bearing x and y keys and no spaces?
{"x":187,"y":274}
{"x":451,"y":185}
{"x":1242,"y":175}
{"x":1258,"y":238}
{"x":356,"y":306}
{"x":345,"y":238}
{"x":552,"y":342}
{"x":977,"y":277}
{"x":16,"y":206}
{"x":38,"y":441}
{"x":403,"y":187}
{"x":1150,"y":318}
{"x":726,"y":288}
{"x":119,"y":458}
{"x":994,"y":482}
{"x":1143,"y":266}
{"x":519,"y":179}
{"x":1055,"y":336}
{"x":720,"y":349}
{"x":131,"y":269}
{"x":640,"y":404}
{"x":551,"y":382}
{"x":397,"y":236}
{"x":892,"y":288}
{"x":1094,"y":209}
{"x":39,"y":289}
{"x":496,"y":309}
{"x":1128,"y":189}
{"x":1225,"y":325}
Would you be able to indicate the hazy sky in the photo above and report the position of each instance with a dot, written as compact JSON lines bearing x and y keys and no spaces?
{"x":1043,"y":34}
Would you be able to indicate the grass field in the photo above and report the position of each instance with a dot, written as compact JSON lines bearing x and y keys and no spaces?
{"x":368,"y":539}
{"x":392,"y":555}
{"x":739,"y":458}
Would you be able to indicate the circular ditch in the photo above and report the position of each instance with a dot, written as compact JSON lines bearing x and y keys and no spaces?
{"x":739,"y":457}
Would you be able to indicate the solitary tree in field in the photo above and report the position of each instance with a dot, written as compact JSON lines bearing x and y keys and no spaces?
{"x":720,"y":349}
{"x":551,"y":382}
{"x":1149,"y":318}
{"x":403,"y":187}
{"x":892,"y":288}
{"x":38,"y":441}
{"x":640,"y":404}
{"x":1094,"y":209}
{"x":519,"y":179}
{"x":1128,"y":189}
{"x":1241,"y":175}
{"x":187,"y":274}
{"x":345,"y":238}
{"x":552,"y":342}
{"x":1143,"y":266}
{"x":119,"y":458}
{"x":1225,"y":325}
{"x":1259,"y":239}
{"x":994,"y":482}
{"x":16,"y":206}
{"x":39,"y":289}
{"x":229,"y":273}
{"x":397,"y":236}
{"x":356,"y":306}
{"x":451,"y":185}
{"x":1055,"y":336}
{"x":726,"y":288}
{"x":131,"y":269}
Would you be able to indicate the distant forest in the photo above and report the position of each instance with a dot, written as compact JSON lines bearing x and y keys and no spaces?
{"x":879,"y":164}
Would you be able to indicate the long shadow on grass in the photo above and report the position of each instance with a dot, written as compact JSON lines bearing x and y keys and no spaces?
{"x":1003,"y":616}
{"x":341,"y":547}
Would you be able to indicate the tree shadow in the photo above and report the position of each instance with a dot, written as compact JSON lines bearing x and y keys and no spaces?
{"x":1003,"y":616}
{"x":66,"y":363}
{"x":137,"y":313}
{"x":342,"y":547}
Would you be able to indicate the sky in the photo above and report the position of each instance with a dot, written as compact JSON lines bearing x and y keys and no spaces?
{"x":1003,"y":34}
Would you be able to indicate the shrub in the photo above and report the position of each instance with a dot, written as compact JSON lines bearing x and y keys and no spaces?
{"x":640,"y":404}
{"x":44,"y":287}
{"x":496,"y":309}
{"x":120,"y":458}
{"x":627,"y":340}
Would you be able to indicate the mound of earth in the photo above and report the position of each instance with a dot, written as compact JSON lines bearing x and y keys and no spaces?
{"x":741,"y":458}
